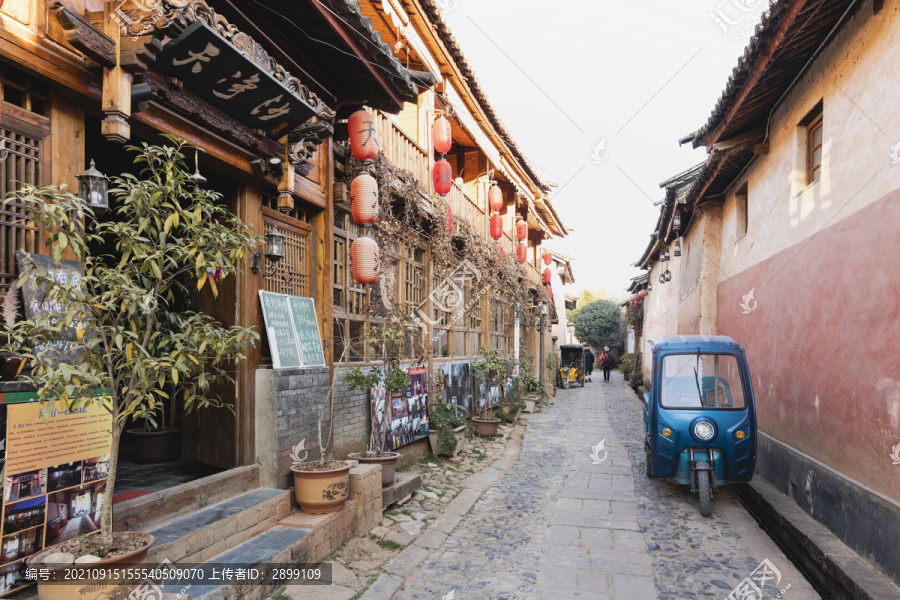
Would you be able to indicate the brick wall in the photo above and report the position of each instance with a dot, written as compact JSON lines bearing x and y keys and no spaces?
{"x":352,"y":418}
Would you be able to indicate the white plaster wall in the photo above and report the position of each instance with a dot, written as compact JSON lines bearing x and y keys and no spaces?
{"x":857,"y":77}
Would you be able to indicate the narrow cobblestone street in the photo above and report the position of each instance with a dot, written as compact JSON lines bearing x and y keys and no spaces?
{"x":550,"y":524}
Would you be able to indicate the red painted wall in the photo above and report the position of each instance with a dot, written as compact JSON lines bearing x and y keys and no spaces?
{"x":823,"y":343}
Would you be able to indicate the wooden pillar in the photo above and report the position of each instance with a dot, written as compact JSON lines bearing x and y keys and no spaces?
{"x":324,"y":228}
{"x":116,"y":98}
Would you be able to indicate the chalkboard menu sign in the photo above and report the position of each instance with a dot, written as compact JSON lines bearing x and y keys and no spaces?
{"x":293,"y":330}
{"x":69,"y":272}
{"x":307,"y":327}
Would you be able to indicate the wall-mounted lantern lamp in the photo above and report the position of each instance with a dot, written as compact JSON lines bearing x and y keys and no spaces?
{"x":274,"y":253}
{"x":93,"y":188}
{"x":273,"y":165}
{"x":676,"y":223}
{"x":677,"y":250}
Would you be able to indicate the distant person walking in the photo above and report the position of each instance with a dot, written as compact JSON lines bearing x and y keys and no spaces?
{"x":588,"y":362}
{"x":606,"y":363}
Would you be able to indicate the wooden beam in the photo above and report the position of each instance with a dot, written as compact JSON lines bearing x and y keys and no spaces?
{"x":762,"y":64}
{"x":116,"y":102}
{"x":83,"y":36}
{"x":357,"y":47}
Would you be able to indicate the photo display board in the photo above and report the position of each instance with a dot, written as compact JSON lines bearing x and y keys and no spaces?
{"x":54,"y":472}
{"x":407,"y":411}
{"x":292,"y":328}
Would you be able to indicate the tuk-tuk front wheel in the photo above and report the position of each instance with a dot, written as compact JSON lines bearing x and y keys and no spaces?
{"x":705,"y":490}
{"x":565,"y":382}
{"x":647,"y":464}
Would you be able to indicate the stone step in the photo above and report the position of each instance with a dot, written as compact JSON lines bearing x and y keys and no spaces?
{"x":404,"y":486}
{"x":278,"y":545}
{"x":207,"y":532}
{"x":152,"y":510}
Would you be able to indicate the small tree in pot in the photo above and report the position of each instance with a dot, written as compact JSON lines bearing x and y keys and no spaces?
{"x":491,"y":365}
{"x":167,"y":231}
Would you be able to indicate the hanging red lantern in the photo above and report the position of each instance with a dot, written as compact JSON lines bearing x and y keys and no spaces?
{"x":495,"y":198}
{"x":442,"y":135}
{"x":442,"y":176}
{"x":363,"y":143}
{"x":364,"y":199}
{"x":521,"y":253}
{"x":547,"y":275}
{"x":643,"y":293}
{"x":449,"y":218}
{"x":364,"y":252}
{"x":547,"y":257}
{"x":521,"y":230}
{"x":499,"y":252}
{"x":496,"y":227}
{"x":549,"y":290}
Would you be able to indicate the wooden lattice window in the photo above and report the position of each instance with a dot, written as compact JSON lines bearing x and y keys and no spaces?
{"x":22,"y":136}
{"x":294,"y":275}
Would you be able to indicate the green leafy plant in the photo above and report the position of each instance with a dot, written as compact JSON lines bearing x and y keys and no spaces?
{"x":134,"y":341}
{"x":626,"y":363}
{"x":527,"y":379}
{"x":443,"y":419}
{"x":600,"y":323}
{"x":510,"y":406}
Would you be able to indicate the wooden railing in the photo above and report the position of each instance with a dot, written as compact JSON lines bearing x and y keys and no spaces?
{"x":466,"y":209}
{"x":402,"y":150}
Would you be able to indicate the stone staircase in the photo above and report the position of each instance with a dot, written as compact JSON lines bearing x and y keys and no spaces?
{"x":227,"y":519}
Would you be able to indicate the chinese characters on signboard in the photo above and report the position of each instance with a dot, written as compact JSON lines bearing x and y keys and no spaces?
{"x":215,"y":70}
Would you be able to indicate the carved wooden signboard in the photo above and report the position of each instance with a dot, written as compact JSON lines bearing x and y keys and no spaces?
{"x":215,"y":70}
{"x":68,"y":272}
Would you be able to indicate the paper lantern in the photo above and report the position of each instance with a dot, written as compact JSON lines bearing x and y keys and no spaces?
{"x":521,"y":253}
{"x":363,"y":143}
{"x":547,"y":275}
{"x":442,"y":177}
{"x":364,"y":252}
{"x":364,"y":199}
{"x":499,"y":252}
{"x":495,"y":198}
{"x":549,"y":290}
{"x":521,"y":230}
{"x":496,"y":227}
{"x":449,"y":218}
{"x":442,"y":136}
{"x":643,"y":293}
{"x":547,"y":257}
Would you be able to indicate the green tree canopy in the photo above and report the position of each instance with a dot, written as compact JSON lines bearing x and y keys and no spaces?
{"x":600,"y":323}
{"x":588,"y":296}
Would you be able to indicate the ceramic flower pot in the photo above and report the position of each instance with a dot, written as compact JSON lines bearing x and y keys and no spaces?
{"x":387,"y":460}
{"x":486,"y":427}
{"x":321,"y":492}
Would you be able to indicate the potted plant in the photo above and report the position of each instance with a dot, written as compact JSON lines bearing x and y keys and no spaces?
{"x":491,"y":365}
{"x":389,"y":379}
{"x":322,"y":486}
{"x":121,"y":314}
{"x":510,"y":407}
{"x":447,"y":429}
{"x":10,"y":363}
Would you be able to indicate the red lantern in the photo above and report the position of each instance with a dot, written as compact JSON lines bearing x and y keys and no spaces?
{"x":362,"y":136}
{"x":364,"y":252}
{"x":521,"y":230}
{"x":495,"y":198}
{"x":496,"y":227}
{"x":549,"y":290}
{"x":449,"y":218}
{"x":442,"y":137}
{"x":643,"y":293}
{"x":521,"y":253}
{"x":547,"y":258}
{"x":442,"y":176}
{"x":364,"y":199}
{"x":499,"y":252}
{"x":547,"y":275}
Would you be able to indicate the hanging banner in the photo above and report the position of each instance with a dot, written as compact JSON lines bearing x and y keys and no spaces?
{"x":54,"y":478}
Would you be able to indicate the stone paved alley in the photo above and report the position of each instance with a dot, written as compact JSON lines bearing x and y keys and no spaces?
{"x":544,"y":522}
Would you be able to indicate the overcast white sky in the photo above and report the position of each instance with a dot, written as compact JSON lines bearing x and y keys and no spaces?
{"x":566,"y":75}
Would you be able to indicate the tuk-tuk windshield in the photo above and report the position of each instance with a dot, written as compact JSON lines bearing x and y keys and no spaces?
{"x":708,"y":381}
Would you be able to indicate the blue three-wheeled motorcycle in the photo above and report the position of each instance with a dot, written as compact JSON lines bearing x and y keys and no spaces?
{"x":700,"y":414}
